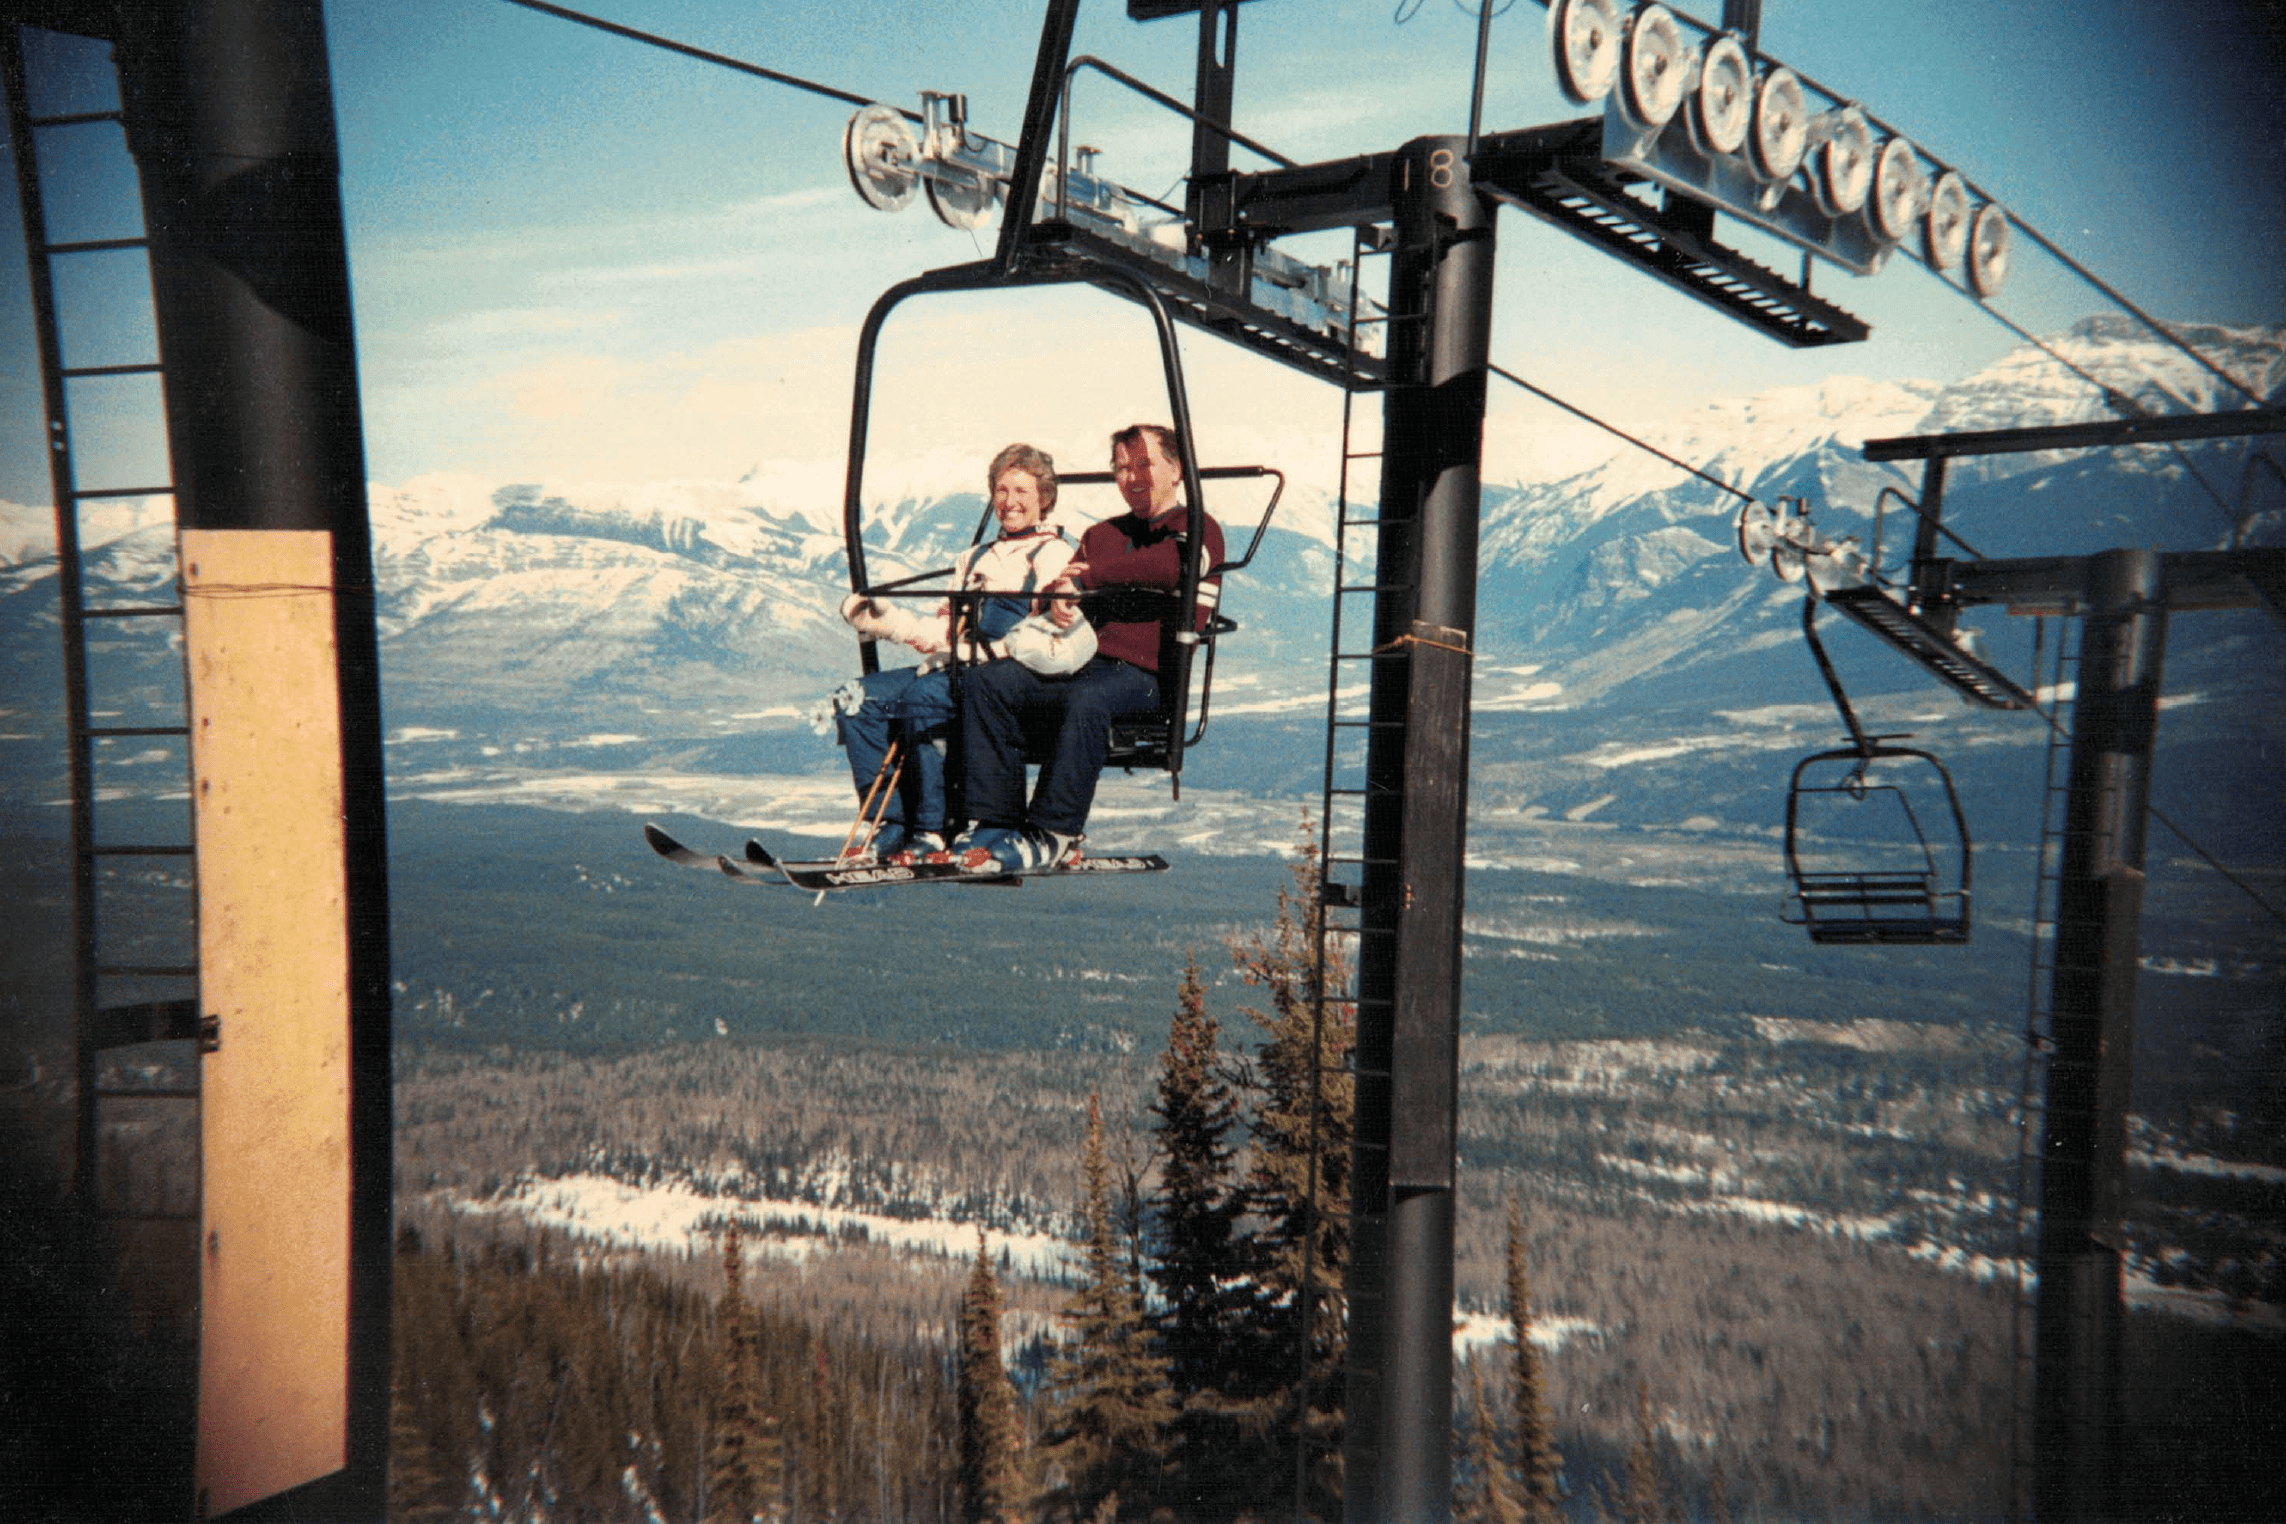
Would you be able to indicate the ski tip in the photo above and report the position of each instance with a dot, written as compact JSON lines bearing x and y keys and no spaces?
{"x":759,"y":854}
{"x":661,"y":842}
{"x":729,"y":868}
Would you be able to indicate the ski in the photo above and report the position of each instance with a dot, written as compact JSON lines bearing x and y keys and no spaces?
{"x":691,"y":857}
{"x":825,"y":874}
{"x":762,"y":866}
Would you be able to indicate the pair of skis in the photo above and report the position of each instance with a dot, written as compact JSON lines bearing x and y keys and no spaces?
{"x":760,"y":865}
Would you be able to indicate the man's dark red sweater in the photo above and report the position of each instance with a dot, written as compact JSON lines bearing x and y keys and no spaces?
{"x":1131,"y":552}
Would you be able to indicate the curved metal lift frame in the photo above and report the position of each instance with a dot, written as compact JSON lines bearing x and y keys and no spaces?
{"x":1885,"y":905}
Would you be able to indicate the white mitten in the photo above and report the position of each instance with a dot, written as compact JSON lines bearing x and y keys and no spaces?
{"x":881,"y":619}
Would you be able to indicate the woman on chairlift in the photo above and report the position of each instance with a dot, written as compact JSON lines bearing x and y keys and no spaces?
{"x":893,"y":722}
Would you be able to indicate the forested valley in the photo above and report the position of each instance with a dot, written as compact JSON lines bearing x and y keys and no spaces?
{"x":1691,"y":1359}
{"x":1768,"y":1260}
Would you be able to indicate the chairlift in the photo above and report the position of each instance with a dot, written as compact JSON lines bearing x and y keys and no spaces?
{"x":1156,"y":740}
{"x":1861,"y":865}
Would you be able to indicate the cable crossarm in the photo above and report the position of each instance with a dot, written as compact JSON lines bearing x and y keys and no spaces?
{"x":722,"y":60}
{"x":2119,"y":401}
{"x":1650,"y":449}
{"x":1160,"y":97}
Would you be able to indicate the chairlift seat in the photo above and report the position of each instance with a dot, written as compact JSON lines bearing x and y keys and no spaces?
{"x":1140,"y":740}
{"x":1886,"y":909}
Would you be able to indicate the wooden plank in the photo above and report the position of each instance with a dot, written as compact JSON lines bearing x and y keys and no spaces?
{"x":266,"y":756}
{"x":1426,"y":1019}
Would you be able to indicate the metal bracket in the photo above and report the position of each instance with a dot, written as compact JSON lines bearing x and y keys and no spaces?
{"x":210,"y":1034}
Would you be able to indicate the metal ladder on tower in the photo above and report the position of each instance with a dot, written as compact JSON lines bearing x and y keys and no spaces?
{"x":135,"y":965}
{"x":1335,"y":919}
{"x":2039,"y":1042}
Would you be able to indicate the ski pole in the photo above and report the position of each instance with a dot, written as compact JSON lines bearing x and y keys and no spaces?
{"x":884,"y":787}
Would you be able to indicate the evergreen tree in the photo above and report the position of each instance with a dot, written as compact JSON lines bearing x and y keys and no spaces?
{"x":1112,"y":1404}
{"x":990,"y":1476}
{"x":1484,"y":1492}
{"x":1195,"y":1207}
{"x":1297,"y":1189}
{"x":1204,"y":1292}
{"x":743,"y":1472}
{"x":1645,"y":1500}
{"x":1538,"y":1462}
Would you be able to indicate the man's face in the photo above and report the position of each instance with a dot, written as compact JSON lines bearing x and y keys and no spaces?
{"x":1148,"y":481}
{"x":1016,"y":500}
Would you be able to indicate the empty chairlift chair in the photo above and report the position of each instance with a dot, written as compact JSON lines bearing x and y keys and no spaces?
{"x":1862,"y":866}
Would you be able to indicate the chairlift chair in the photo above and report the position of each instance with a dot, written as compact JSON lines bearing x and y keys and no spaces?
{"x":1896,"y":893}
{"x":1157,"y":740}
{"x":1892,"y":889}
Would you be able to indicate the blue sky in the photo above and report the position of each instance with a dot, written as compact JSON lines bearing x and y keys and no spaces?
{"x":578,"y":258}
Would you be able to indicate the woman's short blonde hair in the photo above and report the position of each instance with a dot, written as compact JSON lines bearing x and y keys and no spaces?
{"x":1037,"y":464}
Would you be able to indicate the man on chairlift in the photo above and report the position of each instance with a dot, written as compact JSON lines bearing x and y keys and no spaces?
{"x":1141,"y":550}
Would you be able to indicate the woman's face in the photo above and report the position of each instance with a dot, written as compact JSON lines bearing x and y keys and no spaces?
{"x":1016,"y":500}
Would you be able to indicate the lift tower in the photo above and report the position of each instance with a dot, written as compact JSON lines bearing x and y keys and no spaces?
{"x":227,"y":109}
{"x":2123,"y":599}
{"x":1700,"y":124}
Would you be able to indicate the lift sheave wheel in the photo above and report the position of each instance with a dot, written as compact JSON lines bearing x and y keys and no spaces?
{"x":960,"y":204}
{"x":883,"y":157}
{"x":1652,"y":72}
{"x":1722,"y":105}
{"x":1989,"y":241}
{"x":1945,"y":229}
{"x":1789,"y":534}
{"x":1584,"y":37}
{"x":1757,"y":533}
{"x":1894,"y":207}
{"x":1779,"y":134}
{"x":1841,"y":170}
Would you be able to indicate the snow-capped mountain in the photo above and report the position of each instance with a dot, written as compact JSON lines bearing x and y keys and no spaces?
{"x":2029,"y":389}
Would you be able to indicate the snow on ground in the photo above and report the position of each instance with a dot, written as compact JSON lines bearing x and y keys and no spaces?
{"x":2207,"y":1307}
{"x":1478,"y":1330}
{"x":1867,"y":1034}
{"x":1131,"y":813}
{"x":2163,"y":1157}
{"x":669,"y":1217}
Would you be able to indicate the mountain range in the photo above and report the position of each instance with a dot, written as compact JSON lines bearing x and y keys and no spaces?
{"x":1624,"y":646}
